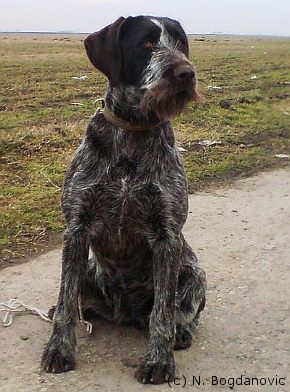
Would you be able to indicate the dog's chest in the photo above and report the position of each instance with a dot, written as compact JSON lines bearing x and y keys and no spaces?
{"x":130,"y":194}
{"x":131,"y":190}
{"x":139,"y":193}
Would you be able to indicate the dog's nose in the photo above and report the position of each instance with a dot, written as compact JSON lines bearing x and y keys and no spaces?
{"x":184,"y":73}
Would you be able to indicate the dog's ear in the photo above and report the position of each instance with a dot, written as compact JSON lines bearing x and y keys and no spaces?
{"x":104,"y":52}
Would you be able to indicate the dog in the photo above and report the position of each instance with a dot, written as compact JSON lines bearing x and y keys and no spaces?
{"x":125,"y":198}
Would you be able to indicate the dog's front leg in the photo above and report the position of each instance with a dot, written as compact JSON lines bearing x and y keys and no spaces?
{"x":58,"y":355}
{"x":158,"y":364}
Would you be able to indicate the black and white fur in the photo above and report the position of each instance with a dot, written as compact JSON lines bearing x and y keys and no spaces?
{"x":125,"y":198}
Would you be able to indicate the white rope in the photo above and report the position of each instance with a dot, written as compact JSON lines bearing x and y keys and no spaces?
{"x":15,"y":306}
{"x":7,"y":311}
{"x":87,"y":324}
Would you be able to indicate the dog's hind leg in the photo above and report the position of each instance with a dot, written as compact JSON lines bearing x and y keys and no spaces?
{"x":190,"y":298}
{"x":94,"y":301}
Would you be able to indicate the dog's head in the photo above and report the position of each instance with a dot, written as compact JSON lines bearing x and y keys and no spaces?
{"x":150,"y":54}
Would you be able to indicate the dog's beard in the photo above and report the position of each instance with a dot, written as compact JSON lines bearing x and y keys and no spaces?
{"x":167,"y":101}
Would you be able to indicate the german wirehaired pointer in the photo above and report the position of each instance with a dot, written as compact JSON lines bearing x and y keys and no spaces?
{"x":125,"y":197}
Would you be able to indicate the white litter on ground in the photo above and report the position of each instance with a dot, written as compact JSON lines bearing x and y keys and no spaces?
{"x":208,"y":143}
{"x":282,"y":156}
{"x":212,"y":88}
{"x":84,"y":77}
{"x":181,"y":149}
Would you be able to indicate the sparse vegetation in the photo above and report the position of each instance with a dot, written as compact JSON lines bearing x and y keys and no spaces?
{"x":249,"y":117}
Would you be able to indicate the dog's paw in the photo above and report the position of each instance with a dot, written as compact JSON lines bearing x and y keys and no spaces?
{"x":150,"y":372}
{"x":55,"y":360}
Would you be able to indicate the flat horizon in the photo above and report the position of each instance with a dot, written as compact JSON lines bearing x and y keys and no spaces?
{"x":197,"y":34}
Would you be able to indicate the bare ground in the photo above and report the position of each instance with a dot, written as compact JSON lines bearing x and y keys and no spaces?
{"x":242,"y":237}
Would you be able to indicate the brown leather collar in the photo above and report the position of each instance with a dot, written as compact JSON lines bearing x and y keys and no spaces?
{"x":119,"y":122}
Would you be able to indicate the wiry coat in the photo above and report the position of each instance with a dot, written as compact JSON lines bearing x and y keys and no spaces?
{"x":125,"y":197}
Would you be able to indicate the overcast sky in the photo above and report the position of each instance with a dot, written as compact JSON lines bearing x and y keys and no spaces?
{"x":197,"y":16}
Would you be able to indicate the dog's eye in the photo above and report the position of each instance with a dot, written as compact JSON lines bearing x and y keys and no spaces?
{"x":149,"y":45}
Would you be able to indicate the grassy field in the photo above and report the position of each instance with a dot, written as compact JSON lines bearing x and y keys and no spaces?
{"x":248,"y":117}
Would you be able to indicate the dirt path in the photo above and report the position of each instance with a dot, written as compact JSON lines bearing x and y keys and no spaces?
{"x":242,"y":237}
